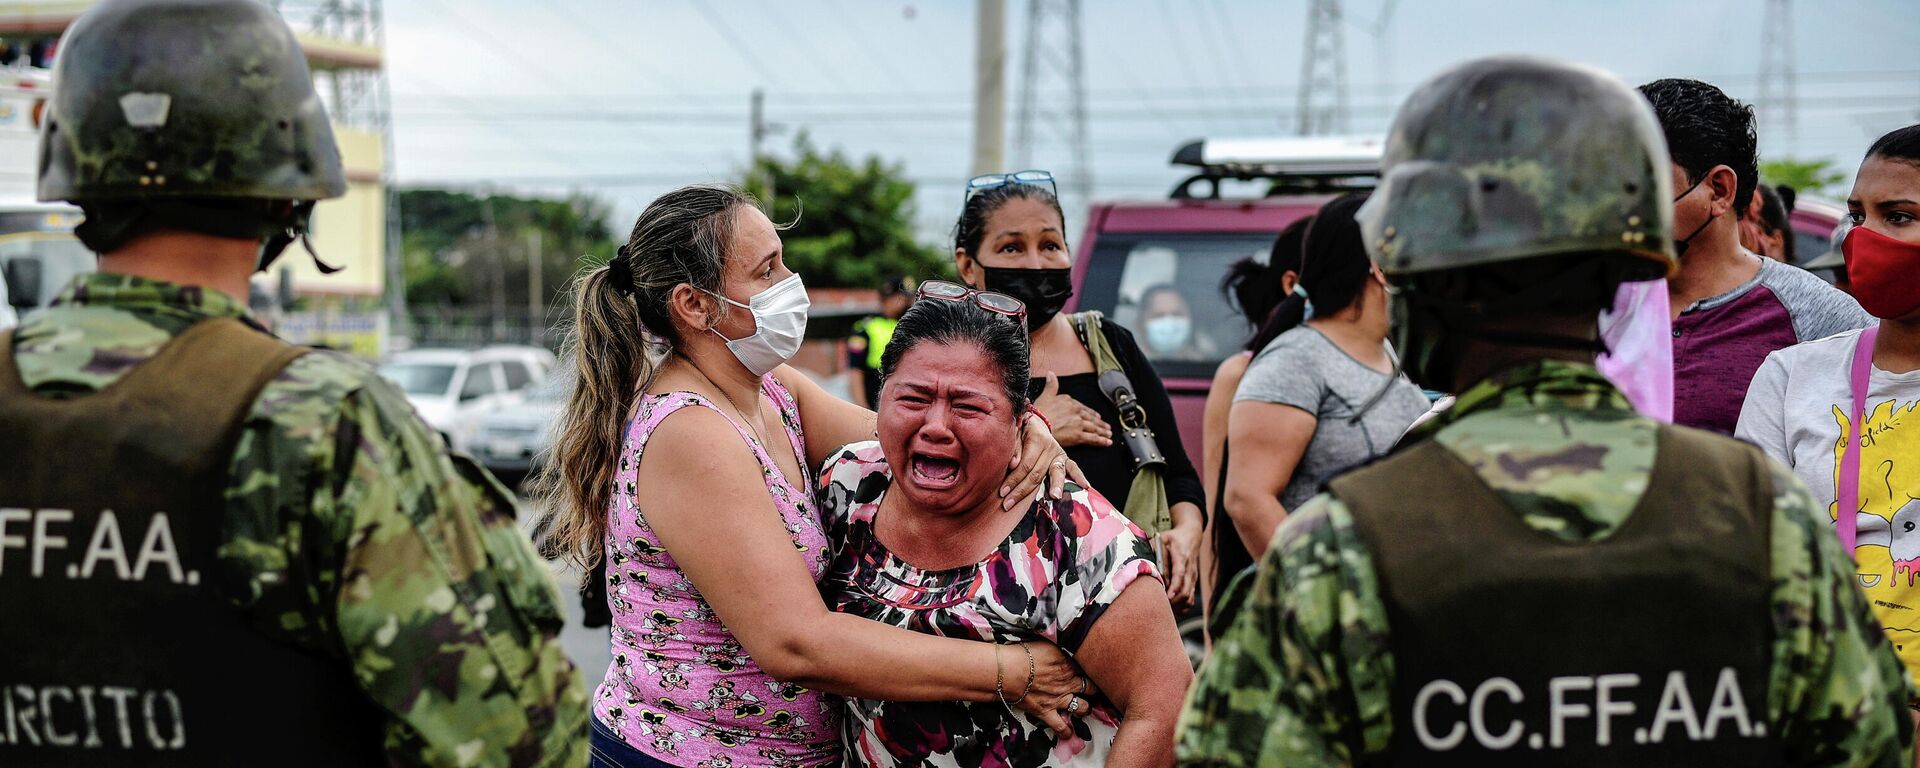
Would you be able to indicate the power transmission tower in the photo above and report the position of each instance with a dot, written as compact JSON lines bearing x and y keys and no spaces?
{"x":1052,"y":56}
{"x":1323,"y":71}
{"x":1777,"y":100}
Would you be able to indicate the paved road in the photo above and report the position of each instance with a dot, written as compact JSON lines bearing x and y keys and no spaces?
{"x":587,"y":647}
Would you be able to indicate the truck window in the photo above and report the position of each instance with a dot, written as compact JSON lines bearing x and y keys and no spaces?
{"x":1165,"y":288}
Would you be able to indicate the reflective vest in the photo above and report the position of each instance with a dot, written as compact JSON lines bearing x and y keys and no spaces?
{"x":120,"y":644}
{"x":878,"y":330}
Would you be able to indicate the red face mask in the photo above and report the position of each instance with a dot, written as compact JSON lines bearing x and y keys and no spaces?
{"x":1884,"y":273}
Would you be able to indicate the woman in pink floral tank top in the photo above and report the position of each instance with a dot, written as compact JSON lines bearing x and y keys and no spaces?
{"x":694,"y":490}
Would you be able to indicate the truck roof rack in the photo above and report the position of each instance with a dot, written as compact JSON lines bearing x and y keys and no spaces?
{"x":1298,"y":164}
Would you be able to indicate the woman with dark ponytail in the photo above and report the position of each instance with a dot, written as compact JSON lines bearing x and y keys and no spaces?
{"x":684,"y":461}
{"x":1325,"y":395}
{"x":1258,"y":289}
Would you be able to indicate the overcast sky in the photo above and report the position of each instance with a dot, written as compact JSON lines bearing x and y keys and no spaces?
{"x":625,"y":99}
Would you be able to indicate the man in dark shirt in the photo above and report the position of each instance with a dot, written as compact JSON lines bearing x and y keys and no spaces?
{"x":1732,"y":307}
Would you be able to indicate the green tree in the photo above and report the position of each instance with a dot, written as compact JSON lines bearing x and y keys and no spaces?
{"x":463,"y":250}
{"x":1805,"y":176}
{"x":852,"y":222}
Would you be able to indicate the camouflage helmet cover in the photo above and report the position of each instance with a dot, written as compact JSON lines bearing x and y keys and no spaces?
{"x":185,"y":98}
{"x":1515,"y":157}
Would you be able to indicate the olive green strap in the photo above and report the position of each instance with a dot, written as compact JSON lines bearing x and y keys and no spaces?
{"x":1087,"y":324}
{"x":1147,"y":504}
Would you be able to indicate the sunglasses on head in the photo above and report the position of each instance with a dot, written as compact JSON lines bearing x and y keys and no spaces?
{"x":984,"y":182}
{"x":998,"y":303}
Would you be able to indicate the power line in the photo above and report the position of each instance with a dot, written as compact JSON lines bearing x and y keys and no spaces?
{"x":1179,"y":45}
{"x":860,"y":34}
{"x":804,"y":43}
{"x":620,"y":51}
{"x":496,"y":47}
{"x":908,"y":114}
{"x":733,"y":40}
{"x":1271,"y":90}
{"x":1213,"y":16}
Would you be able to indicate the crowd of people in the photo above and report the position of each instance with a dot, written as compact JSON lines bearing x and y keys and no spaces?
{"x":1532,"y":455}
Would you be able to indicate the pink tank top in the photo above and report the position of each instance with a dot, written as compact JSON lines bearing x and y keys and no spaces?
{"x":681,"y":688}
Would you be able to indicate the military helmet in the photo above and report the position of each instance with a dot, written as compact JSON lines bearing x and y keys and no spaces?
{"x":1514,"y":157}
{"x":164,"y":99}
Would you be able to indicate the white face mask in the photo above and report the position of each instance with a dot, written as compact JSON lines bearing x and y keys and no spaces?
{"x":780,"y":324}
{"x":1168,"y":333}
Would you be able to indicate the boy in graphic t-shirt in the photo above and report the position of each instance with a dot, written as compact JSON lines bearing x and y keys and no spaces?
{"x":1732,"y":307}
{"x":1808,"y":401}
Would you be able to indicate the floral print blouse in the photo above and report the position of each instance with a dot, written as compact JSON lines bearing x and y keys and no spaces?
{"x":680,"y":687}
{"x":1052,"y":578}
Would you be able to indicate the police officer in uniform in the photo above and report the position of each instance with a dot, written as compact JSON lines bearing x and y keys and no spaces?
{"x":870,"y":337}
{"x":1541,"y":576}
{"x":217,"y":548}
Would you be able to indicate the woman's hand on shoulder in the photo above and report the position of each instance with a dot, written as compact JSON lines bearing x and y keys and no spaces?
{"x":1040,"y":466}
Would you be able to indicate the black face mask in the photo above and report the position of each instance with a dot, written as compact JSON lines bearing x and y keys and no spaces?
{"x":1044,"y":291}
{"x":1680,"y":244}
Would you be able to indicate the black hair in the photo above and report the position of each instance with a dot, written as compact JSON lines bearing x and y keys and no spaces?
{"x":1333,"y":266}
{"x":1901,"y":144}
{"x":1773,"y":215}
{"x":1255,"y":287}
{"x":972,"y":227}
{"x":1002,"y":337}
{"x":1705,"y":127}
{"x":1159,"y":288}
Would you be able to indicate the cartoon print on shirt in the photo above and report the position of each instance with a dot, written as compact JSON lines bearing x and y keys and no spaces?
{"x":1888,"y":521}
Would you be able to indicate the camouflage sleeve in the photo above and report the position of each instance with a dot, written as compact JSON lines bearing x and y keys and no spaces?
{"x":1838,"y":693}
{"x":356,"y":536}
{"x":1303,"y":676}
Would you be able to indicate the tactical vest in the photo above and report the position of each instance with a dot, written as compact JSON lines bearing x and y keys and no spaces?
{"x":1649,"y":647}
{"x":118,"y":645}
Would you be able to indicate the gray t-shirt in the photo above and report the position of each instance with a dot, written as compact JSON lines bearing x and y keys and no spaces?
{"x":1305,"y":369}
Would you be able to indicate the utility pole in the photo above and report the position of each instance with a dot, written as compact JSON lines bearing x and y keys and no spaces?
{"x":536,"y":286}
{"x":757,"y":133}
{"x":1323,"y":71}
{"x":990,"y":87}
{"x":1053,"y":55}
{"x":1777,"y":98}
{"x":499,"y":265}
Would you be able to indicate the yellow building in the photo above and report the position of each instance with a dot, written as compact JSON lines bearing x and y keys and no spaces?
{"x":346,"y":60}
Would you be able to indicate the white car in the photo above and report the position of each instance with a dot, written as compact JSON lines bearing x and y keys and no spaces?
{"x":452,"y":388}
{"x":512,"y":441}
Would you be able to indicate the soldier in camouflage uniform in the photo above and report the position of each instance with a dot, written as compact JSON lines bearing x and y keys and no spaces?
{"x":242,"y":552}
{"x":1542,"y":576}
